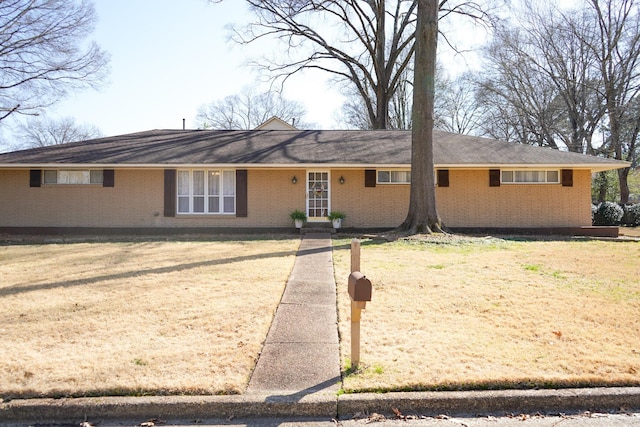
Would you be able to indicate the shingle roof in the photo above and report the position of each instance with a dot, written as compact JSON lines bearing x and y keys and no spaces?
{"x":283,"y":148}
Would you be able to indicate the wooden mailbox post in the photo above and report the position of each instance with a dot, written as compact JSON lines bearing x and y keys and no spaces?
{"x":359,"y":288}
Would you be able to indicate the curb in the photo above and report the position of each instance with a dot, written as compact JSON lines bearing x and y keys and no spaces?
{"x":493,"y":402}
{"x":68,"y":410}
{"x":74,"y":410}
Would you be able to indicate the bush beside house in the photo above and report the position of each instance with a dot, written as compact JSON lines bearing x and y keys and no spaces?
{"x":611,"y":214}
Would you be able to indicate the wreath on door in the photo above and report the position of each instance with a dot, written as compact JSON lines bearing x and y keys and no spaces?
{"x":318,"y":189}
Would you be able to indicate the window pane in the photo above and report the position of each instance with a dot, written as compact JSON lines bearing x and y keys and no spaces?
{"x":400,"y":177}
{"x":183,"y":204}
{"x":73,"y":177}
{"x":214,"y":205}
{"x":50,"y":177}
{"x":214,"y":183}
{"x":507,"y":176}
{"x":552,"y":176}
{"x":198,"y":204}
{"x":229,"y":205}
{"x":228,"y":183}
{"x":383,"y":176}
{"x":183,"y":183}
{"x":95,"y":177}
{"x":530,"y":176}
{"x":198,"y":183}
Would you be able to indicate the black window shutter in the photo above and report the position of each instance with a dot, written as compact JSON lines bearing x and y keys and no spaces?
{"x":370,"y":178}
{"x":443,"y":177}
{"x":241,"y":193}
{"x":567,"y":177}
{"x":170,"y":192}
{"x":35,"y":177}
{"x":494,"y":177}
{"x":108,"y":178}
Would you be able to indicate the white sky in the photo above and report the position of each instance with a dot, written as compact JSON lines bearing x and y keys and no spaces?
{"x":169,"y":57}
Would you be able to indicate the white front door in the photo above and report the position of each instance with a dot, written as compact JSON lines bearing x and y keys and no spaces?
{"x":318,"y":195}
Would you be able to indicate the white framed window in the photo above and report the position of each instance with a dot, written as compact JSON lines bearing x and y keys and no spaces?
{"x":394,"y":177}
{"x":73,"y":177}
{"x":525,"y":176}
{"x":206,"y":191}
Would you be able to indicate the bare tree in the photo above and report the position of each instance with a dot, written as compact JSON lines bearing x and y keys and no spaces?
{"x":354,"y":110}
{"x":369,"y":44}
{"x":539,"y":86}
{"x":42,"y":132}
{"x":456,"y":109}
{"x":248,"y":110}
{"x":423,"y":214}
{"x":43,"y":53}
{"x":353,"y":113}
{"x":351,"y":39}
{"x":617,"y":49}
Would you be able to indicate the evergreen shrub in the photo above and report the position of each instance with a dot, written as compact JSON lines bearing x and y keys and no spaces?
{"x":608,"y":213}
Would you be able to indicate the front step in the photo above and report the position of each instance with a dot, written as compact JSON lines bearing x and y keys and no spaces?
{"x":317,"y":227}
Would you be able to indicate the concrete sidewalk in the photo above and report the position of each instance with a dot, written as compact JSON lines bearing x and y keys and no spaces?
{"x":301,"y":353}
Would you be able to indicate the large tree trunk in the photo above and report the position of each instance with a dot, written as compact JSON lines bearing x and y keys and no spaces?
{"x":623,"y":175}
{"x":423,"y":214}
{"x":382,"y":102}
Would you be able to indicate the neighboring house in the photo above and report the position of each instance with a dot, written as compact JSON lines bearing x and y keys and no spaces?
{"x":275,"y":123}
{"x":254,"y":179}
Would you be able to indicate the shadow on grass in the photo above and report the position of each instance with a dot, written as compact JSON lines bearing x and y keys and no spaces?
{"x":68,"y":239}
{"x":18,"y":289}
{"x":136,"y":273}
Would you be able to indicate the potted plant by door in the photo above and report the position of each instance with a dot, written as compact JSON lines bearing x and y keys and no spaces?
{"x":298,"y":218}
{"x":336,"y":218}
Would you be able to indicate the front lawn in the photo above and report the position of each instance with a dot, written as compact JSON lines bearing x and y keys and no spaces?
{"x":475,"y":313}
{"x":148,"y":317}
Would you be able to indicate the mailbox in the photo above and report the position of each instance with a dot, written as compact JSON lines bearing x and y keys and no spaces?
{"x":359,"y":287}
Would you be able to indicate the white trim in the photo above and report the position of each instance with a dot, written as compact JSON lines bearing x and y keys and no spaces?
{"x":546,"y":176}
{"x":593,"y":167}
{"x":306,"y":190}
{"x":206,"y":196}
{"x":391,"y":170}
{"x":67,"y":170}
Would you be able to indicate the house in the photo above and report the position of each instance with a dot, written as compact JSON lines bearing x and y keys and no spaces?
{"x":275,"y":123}
{"x":212,"y":179}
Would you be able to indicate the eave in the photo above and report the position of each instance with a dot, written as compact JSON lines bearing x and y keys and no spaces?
{"x":593,"y":167}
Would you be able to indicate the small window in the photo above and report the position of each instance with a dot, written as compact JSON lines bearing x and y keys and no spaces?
{"x":530,"y":176}
{"x":50,"y":177}
{"x":95,"y":177}
{"x":394,"y":177}
{"x":73,"y":177}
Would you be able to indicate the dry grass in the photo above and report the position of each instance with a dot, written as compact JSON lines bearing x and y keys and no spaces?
{"x":484,"y":313}
{"x":137,"y":317}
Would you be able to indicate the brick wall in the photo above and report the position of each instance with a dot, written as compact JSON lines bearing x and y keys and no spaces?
{"x":137,"y":201}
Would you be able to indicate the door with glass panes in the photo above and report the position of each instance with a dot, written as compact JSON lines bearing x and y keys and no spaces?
{"x":318,"y":195}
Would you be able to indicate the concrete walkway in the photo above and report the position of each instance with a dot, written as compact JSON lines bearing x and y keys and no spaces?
{"x":301,"y":352}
